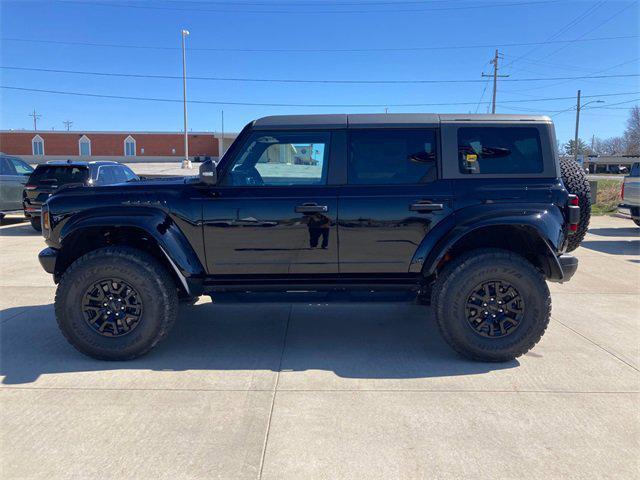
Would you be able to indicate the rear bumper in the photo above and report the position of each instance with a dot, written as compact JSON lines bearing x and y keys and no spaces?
{"x":569,"y":265}
{"x":47,"y":258}
{"x":631,"y":210}
{"x":32,"y":209}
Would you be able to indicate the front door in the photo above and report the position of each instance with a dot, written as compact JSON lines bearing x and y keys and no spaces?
{"x":392,"y":199}
{"x":272,"y":212}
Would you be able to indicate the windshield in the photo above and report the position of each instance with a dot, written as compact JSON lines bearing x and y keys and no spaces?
{"x":59,"y":174}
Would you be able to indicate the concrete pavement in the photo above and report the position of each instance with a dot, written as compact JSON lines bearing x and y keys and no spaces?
{"x":279,"y":391}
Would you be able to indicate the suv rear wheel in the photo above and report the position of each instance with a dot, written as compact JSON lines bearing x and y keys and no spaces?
{"x":116,"y":303}
{"x":491,"y":305}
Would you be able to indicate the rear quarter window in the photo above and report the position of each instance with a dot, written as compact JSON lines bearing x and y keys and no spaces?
{"x":59,"y":174}
{"x":499,"y":150}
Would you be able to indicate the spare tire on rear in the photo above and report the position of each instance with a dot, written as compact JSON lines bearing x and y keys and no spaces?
{"x":575,"y":181}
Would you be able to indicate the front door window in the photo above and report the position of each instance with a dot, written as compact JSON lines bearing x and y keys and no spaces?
{"x":281,"y":159}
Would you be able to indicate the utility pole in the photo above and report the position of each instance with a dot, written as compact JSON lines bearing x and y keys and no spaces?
{"x":68,"y":123}
{"x":221,"y":152}
{"x":495,"y":76}
{"x":575,"y":141}
{"x":578,"y":108}
{"x":36,"y":117}
{"x":186,"y":163}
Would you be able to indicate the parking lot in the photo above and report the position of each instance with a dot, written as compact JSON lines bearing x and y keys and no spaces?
{"x":300,"y":391}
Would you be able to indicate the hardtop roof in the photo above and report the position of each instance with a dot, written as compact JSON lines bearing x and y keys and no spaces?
{"x":373,"y":120}
{"x":73,"y":163}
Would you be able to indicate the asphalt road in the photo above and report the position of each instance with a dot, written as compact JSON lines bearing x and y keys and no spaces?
{"x":316,"y":391}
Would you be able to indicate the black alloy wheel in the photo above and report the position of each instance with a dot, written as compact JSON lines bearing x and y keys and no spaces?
{"x":494,"y":309}
{"x":112,"y":307}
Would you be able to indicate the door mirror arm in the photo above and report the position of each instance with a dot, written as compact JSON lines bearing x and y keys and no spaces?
{"x":208,"y":172}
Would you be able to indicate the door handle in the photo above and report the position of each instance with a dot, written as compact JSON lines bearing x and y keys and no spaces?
{"x":425,"y":207}
{"x":311,"y":208}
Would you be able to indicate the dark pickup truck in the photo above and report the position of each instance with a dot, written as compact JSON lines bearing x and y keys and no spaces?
{"x":469,"y":213}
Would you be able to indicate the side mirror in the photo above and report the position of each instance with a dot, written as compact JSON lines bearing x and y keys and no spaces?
{"x":208,"y":173}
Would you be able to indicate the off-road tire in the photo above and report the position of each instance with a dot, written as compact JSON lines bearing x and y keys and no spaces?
{"x":35,"y":223}
{"x":451,"y":292}
{"x":144,"y":273}
{"x":575,"y":181}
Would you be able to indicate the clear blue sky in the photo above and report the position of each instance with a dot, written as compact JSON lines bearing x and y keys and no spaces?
{"x":315,"y":24}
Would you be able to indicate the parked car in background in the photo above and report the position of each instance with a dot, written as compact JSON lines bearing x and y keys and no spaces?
{"x":48,"y":178}
{"x":13,"y":176}
{"x":631,"y":194}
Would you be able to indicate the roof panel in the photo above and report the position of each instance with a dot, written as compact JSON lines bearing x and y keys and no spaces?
{"x":301,"y":121}
{"x":391,"y":120}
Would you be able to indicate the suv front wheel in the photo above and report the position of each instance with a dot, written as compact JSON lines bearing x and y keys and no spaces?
{"x":491,"y":305}
{"x":116,"y":303}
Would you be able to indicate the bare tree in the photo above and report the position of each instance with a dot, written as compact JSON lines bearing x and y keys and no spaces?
{"x":611,"y":146}
{"x":632,"y":133}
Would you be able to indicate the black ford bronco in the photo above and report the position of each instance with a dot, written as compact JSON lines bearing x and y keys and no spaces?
{"x":469,"y":213}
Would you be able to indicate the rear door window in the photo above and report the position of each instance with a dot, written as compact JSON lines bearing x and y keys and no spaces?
{"x":59,"y":174}
{"x":499,"y":150}
{"x":108,"y":175}
{"x":391,"y":157}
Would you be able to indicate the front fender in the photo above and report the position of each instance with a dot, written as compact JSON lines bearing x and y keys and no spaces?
{"x":154,"y":222}
{"x":545,"y":220}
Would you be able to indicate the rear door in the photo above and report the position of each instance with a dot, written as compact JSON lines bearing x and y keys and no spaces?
{"x":392,"y":199}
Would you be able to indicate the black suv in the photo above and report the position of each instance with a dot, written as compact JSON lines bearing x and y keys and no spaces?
{"x":466,"y":212}
{"x":50,"y":177}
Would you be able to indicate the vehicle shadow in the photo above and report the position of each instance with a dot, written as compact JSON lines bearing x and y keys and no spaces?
{"x":616,"y":232}
{"x":614,"y":247}
{"x":6,"y":221}
{"x":11,"y":228}
{"x":366,"y":341}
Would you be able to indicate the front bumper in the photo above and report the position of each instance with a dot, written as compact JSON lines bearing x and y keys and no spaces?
{"x":47,"y":258}
{"x":569,"y":265}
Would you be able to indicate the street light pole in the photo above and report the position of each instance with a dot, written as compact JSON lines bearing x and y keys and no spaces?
{"x":186,"y":163}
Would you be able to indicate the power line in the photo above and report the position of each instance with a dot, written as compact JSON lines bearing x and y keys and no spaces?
{"x":317,"y":50}
{"x":594,"y":75}
{"x":563,"y":29}
{"x":595,"y":28}
{"x":312,"y":2}
{"x":306,"y":11}
{"x":220,"y":102}
{"x":320,"y":81}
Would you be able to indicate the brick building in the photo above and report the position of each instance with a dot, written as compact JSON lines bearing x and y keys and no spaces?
{"x":130,"y":147}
